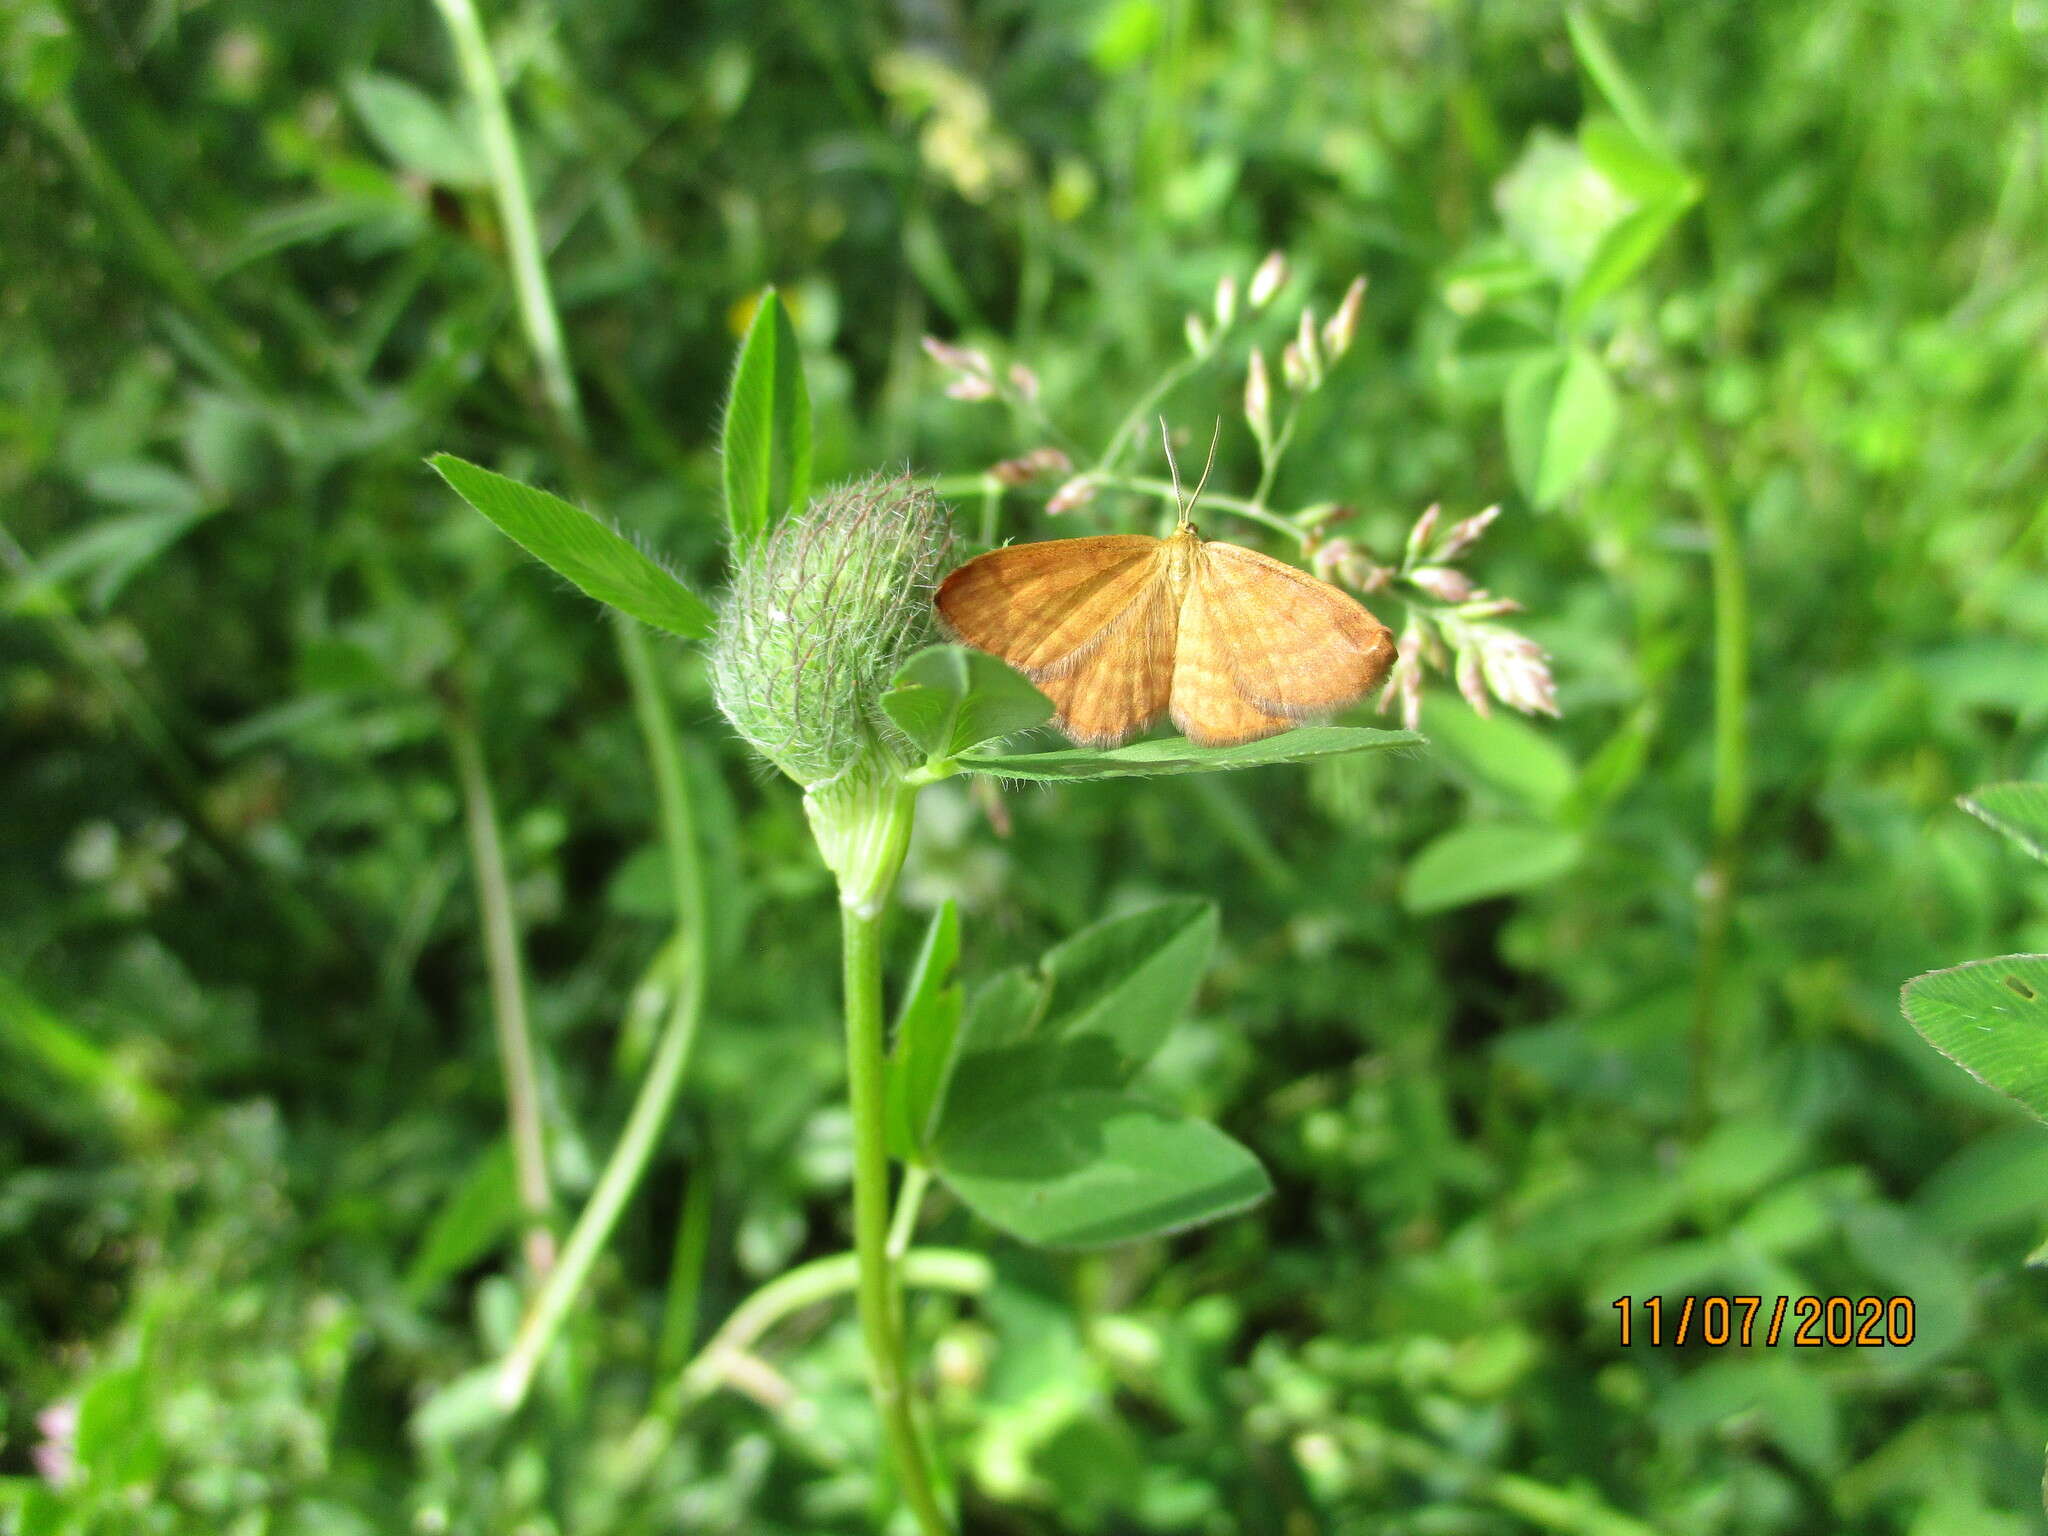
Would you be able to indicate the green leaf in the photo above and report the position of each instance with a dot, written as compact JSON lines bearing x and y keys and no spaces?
{"x":926,"y":1036}
{"x":477,"y":1215}
{"x":1484,"y":859}
{"x":767,"y":441}
{"x":1620,"y":255}
{"x":416,"y":132}
{"x":950,"y":698}
{"x":108,"y":555}
{"x":1117,"y":987}
{"x":2018,"y":810}
{"x":1560,"y":413}
{"x":999,"y":1055}
{"x":1087,"y":1167}
{"x":604,"y":564}
{"x":1096,"y":1012}
{"x":1990,"y":1017}
{"x":1176,"y":754}
{"x":1641,"y":173}
{"x":1601,"y":62}
{"x":1506,"y":754}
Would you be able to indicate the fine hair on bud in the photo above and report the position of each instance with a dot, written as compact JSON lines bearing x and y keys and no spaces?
{"x":821,"y":613}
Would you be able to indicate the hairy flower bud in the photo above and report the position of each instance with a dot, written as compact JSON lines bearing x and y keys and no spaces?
{"x":821,"y":613}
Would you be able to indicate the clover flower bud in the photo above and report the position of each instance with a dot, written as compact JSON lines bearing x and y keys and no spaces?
{"x":1342,"y":327}
{"x":1471,"y":683}
{"x":1420,"y":535}
{"x":1311,"y":353}
{"x":1027,"y":467}
{"x":1516,"y":669}
{"x":1196,"y":332}
{"x":1464,"y":534}
{"x":1024,"y":381}
{"x":1258,"y":397}
{"x":959,"y":359}
{"x":1072,"y":496}
{"x":821,"y":613}
{"x":1226,"y":302}
{"x":1444,"y":583}
{"x":1293,"y":370}
{"x":1404,"y":683}
{"x":1267,"y":280}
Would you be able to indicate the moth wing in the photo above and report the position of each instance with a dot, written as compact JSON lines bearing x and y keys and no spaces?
{"x":1106,"y":693}
{"x":1045,"y":607}
{"x":1263,"y":646}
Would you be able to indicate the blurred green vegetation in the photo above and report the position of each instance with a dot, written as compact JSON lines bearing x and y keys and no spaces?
{"x":254,"y":1185}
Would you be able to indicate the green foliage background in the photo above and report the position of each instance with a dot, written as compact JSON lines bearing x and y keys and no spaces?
{"x":251,"y":1160}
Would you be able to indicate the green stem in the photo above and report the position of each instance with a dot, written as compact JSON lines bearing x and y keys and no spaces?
{"x":656,"y":1098}
{"x":1269,"y":465}
{"x":515,"y":208}
{"x":1540,"y":1504}
{"x":808,"y":1285}
{"x":866,"y":1066}
{"x":658,"y":1089}
{"x":508,"y":994}
{"x":1141,"y":413}
{"x":917,"y":1181}
{"x":1729,"y":803}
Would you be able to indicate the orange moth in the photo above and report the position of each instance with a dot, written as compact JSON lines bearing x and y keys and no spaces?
{"x":1119,"y":629}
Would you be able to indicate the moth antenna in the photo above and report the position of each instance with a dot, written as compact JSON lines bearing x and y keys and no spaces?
{"x":1181,"y":508}
{"x":1214,"y":433}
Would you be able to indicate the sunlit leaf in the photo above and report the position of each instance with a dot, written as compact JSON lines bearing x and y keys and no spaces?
{"x":1990,"y":1017}
{"x":1483,"y":859}
{"x":477,"y":1215}
{"x":416,"y":132}
{"x":767,"y":441}
{"x":926,"y":1038}
{"x":1088,"y":1167}
{"x":2018,"y":810}
{"x":1176,"y":754}
{"x":1561,"y":413}
{"x":604,"y":564}
{"x":950,"y":698}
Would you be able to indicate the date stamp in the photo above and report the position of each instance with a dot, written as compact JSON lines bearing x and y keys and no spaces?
{"x":1805,"y":1322}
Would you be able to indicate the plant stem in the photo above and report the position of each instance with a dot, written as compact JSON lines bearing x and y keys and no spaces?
{"x":1141,"y":413}
{"x":1729,"y":803}
{"x":866,"y":1065}
{"x":508,"y":994}
{"x":651,"y":1106}
{"x":933,"y":1269}
{"x":515,"y":207}
{"x":656,"y":1098}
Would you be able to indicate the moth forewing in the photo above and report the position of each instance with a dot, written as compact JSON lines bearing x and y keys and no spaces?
{"x":1039,"y":606}
{"x":1120,"y":628}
